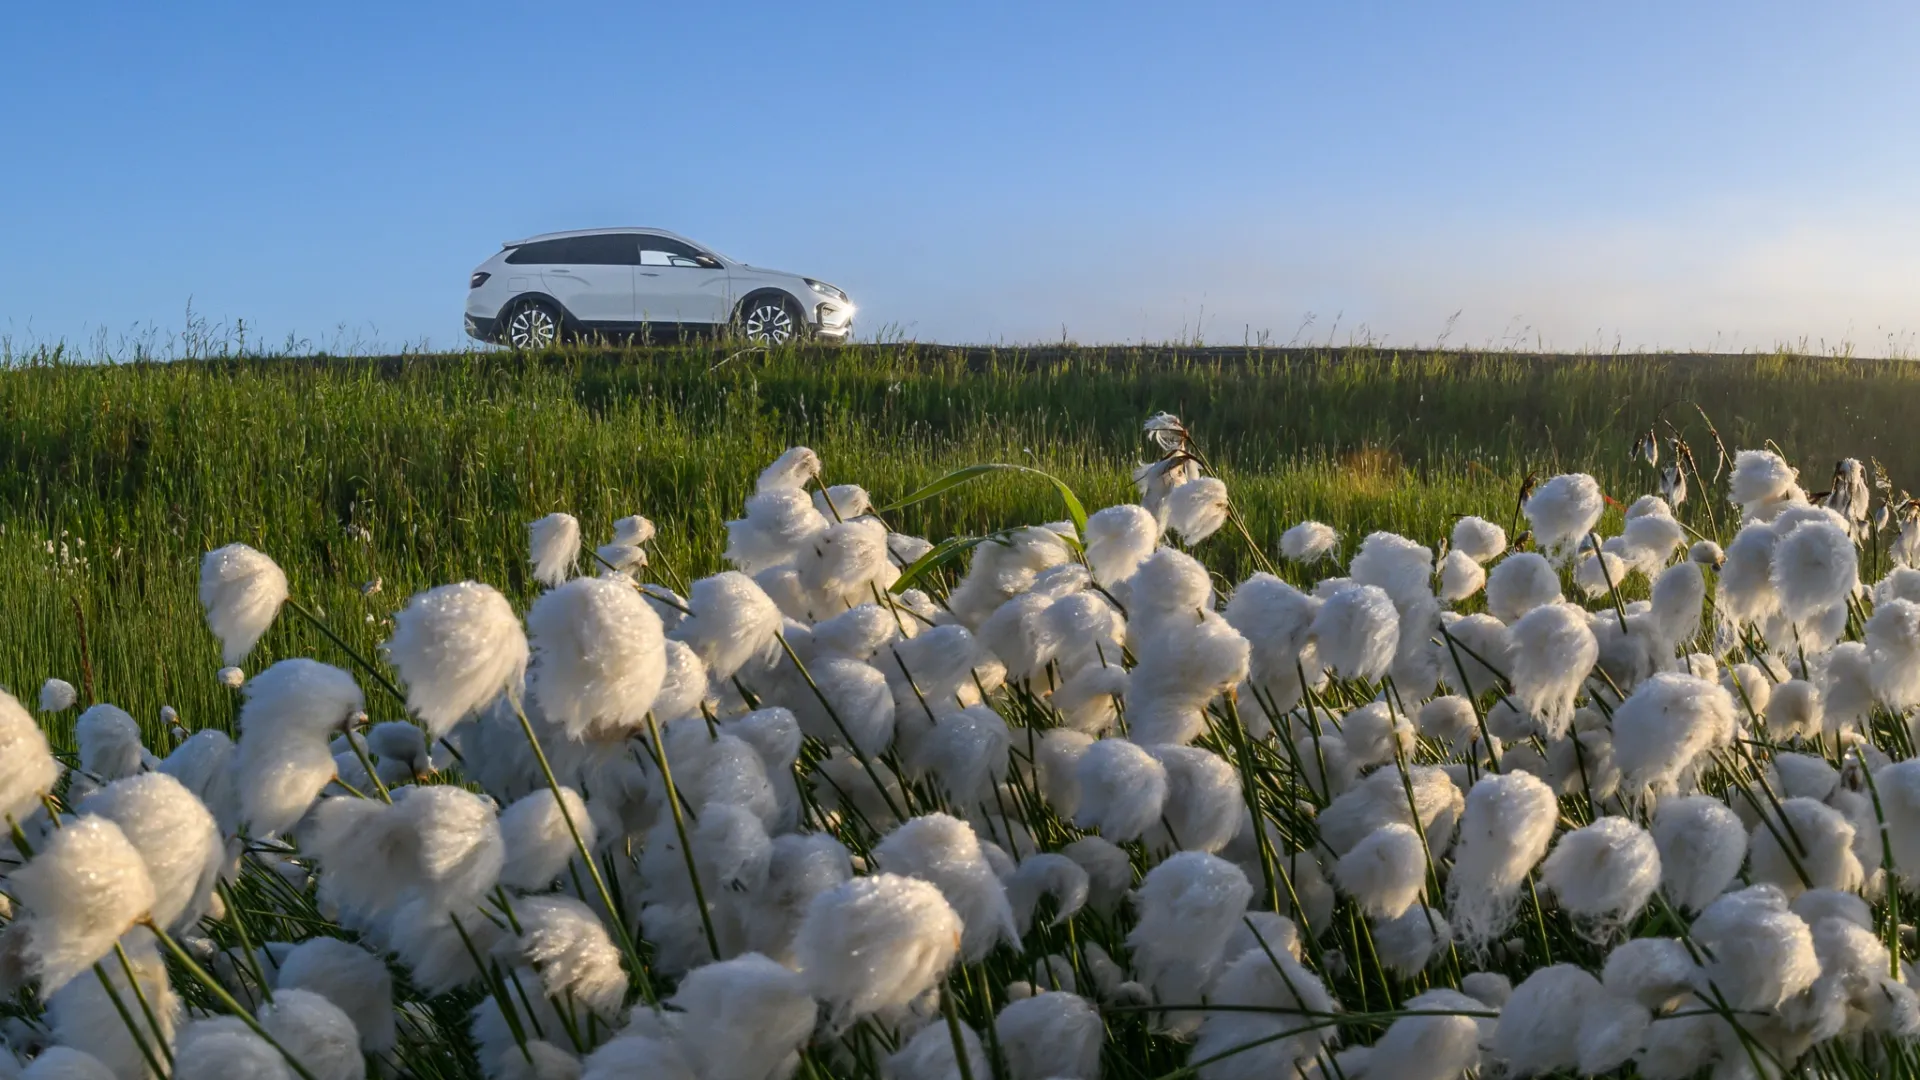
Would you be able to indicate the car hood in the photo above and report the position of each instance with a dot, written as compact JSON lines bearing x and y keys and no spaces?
{"x":746,"y":270}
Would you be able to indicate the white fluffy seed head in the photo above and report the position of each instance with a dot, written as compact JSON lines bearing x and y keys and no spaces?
{"x":1357,"y":631}
{"x":1564,"y":510}
{"x":965,"y":754}
{"x":1539,"y":1025}
{"x":1605,"y":872}
{"x":747,"y":1017}
{"x":1520,"y":583}
{"x":1189,"y":906}
{"x":1666,"y":723}
{"x":1815,"y":569}
{"x":1182,"y":667}
{"x":945,"y":851}
{"x":1552,"y":651}
{"x":538,"y":843}
{"x":85,"y":888}
{"x":57,"y":695}
{"x":1385,"y":872}
{"x":316,"y":1033}
{"x":1899,"y":788}
{"x":1411,"y":941}
{"x":1478,"y":539}
{"x":1051,"y":1035}
{"x":733,"y":623}
{"x":1435,"y":1042}
{"x":1746,"y":594}
{"x":1811,"y":848}
{"x":221,"y":1047}
{"x":841,"y":562}
{"x":83,"y":1013}
{"x":1196,"y":509}
{"x":1122,"y":787}
{"x":599,"y":656}
{"x":27,"y":768}
{"x":1275,"y":618}
{"x":685,"y":684}
{"x":1119,"y":538}
{"x":1308,"y":542}
{"x":1702,"y":846}
{"x":874,"y":943}
{"x":1845,"y":680}
{"x":1893,"y":653}
{"x":777,"y":527}
{"x":1460,"y":576}
{"x":1599,"y":575}
{"x":1762,"y":481}
{"x":1504,"y":831}
{"x":175,"y":836}
{"x":932,"y":1054}
{"x":109,"y":741}
{"x":1267,"y":1033}
{"x":1677,"y":596}
{"x":458,"y":838}
{"x":569,"y":946}
{"x":457,"y":648}
{"x":1760,"y":952}
{"x":353,"y":979}
{"x":553,"y":543}
{"x":242,"y":591}
{"x":792,"y":470}
{"x":299,"y":698}
{"x":1204,"y":800}
{"x":1397,"y":565}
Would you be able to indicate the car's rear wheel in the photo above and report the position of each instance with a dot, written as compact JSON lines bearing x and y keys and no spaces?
{"x":771,"y":320}
{"x":532,"y":324}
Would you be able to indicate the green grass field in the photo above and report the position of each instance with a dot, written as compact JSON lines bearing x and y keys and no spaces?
{"x":414,"y":471}
{"x":417,"y":470}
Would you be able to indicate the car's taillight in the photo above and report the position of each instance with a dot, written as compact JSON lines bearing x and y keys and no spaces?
{"x":479,"y":278}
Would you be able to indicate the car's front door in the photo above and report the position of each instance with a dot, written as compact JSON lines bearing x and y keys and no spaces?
{"x":593,"y":277}
{"x":678,"y":283}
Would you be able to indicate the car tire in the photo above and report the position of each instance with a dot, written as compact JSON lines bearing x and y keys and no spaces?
{"x":531,"y":325}
{"x":771,"y":319}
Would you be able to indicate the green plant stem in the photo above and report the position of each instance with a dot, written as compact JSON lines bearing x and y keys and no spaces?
{"x":680,"y":828}
{"x":220,"y":993}
{"x":624,"y":936}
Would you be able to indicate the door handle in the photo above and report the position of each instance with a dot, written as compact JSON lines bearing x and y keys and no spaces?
{"x":561,"y":271}
{"x":649,"y":273}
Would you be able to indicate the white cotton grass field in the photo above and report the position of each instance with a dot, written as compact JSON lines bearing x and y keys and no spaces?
{"x":1515,"y":798}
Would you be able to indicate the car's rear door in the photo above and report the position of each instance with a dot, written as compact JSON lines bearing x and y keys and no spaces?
{"x":678,"y":283}
{"x":593,"y":277}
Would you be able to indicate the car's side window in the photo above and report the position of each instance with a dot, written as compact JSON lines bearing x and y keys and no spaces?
{"x":662,"y":251}
{"x":613,"y":249}
{"x":542,"y":252}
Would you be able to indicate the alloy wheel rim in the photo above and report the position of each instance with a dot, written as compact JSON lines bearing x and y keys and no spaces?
{"x":769,"y":324}
{"x":530,"y":328}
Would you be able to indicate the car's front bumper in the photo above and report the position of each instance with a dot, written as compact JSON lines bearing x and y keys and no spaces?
{"x":833,"y":319}
{"x":481,"y":328}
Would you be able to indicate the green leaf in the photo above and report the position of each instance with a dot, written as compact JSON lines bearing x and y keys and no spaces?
{"x":954,"y":479}
{"x":943,"y":552}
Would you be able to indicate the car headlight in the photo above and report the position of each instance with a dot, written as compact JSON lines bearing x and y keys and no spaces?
{"x":824,"y":289}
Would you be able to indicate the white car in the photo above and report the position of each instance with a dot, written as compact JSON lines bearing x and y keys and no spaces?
{"x":644,"y":283}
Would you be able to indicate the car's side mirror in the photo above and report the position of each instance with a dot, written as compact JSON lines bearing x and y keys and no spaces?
{"x":707,"y":261}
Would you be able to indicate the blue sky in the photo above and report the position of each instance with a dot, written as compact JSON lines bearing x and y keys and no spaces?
{"x":1709,"y":175}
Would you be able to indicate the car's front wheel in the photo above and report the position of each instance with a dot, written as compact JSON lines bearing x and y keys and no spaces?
{"x":771,"y":320}
{"x":532,"y":324}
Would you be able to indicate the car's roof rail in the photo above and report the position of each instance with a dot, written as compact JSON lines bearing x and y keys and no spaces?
{"x":592,"y":232}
